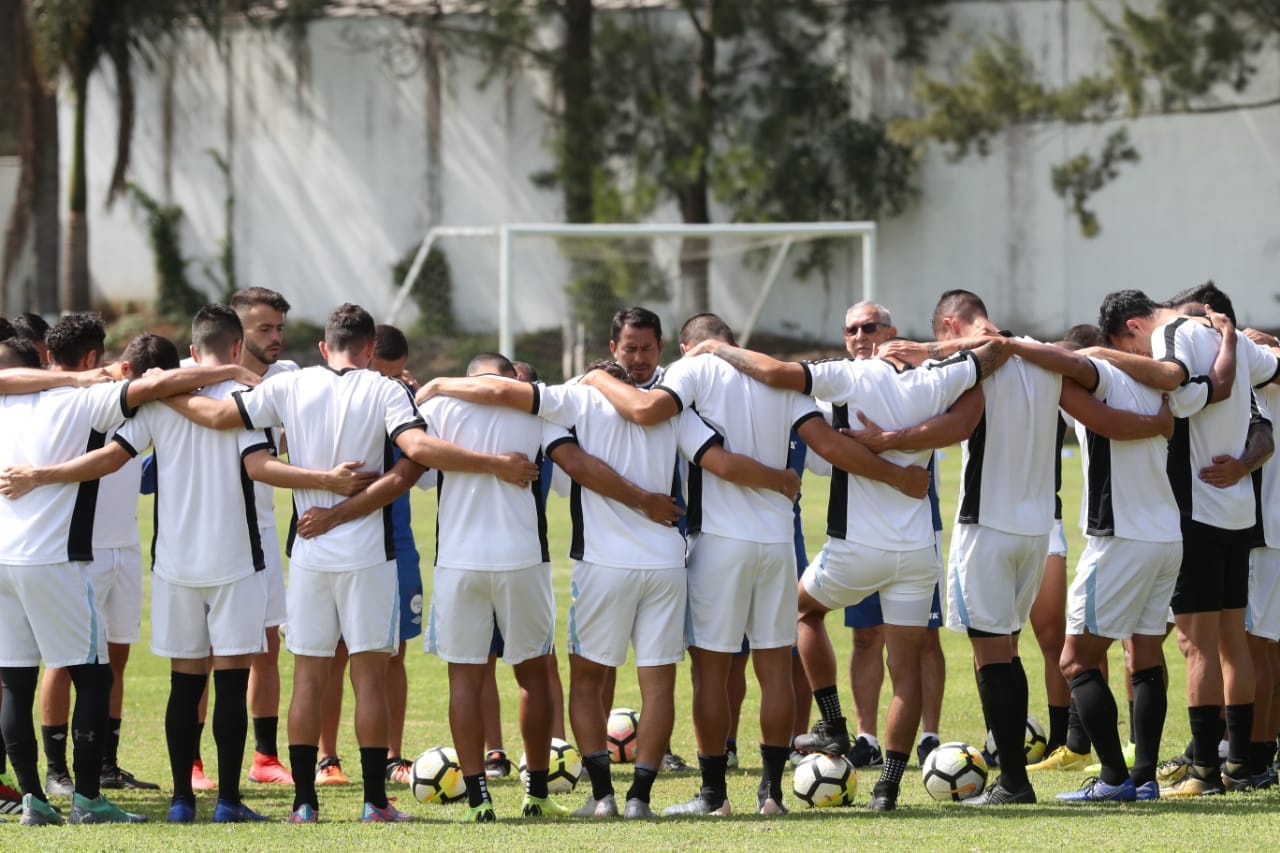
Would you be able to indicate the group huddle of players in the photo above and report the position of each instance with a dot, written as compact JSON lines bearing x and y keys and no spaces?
{"x":681,"y":485}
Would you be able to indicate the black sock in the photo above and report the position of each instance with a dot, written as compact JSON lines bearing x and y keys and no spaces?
{"x":1077,"y":738}
{"x":774,"y":763}
{"x":536,"y":784}
{"x":3,"y":757}
{"x":477,"y":790}
{"x":302,"y":763}
{"x":373,"y":767}
{"x":895,"y":764}
{"x":197,"y":734}
{"x":1132,"y":738}
{"x":597,"y":764}
{"x":18,"y":725}
{"x":1259,"y":756}
{"x":89,"y":718}
{"x":713,"y":768}
{"x":111,"y":753}
{"x":998,"y":688}
{"x":230,"y":728}
{"x":181,"y":731}
{"x":1239,"y":732}
{"x":264,"y":735}
{"x":642,"y":783}
{"x":1150,"y":704}
{"x":828,"y":699}
{"x":1057,"y":728}
{"x":54,"y":739}
{"x":1205,"y":734}
{"x":1100,"y":718}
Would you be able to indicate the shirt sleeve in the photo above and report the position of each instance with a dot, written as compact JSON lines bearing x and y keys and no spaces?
{"x":1171,"y":342}
{"x":401,"y":413}
{"x":561,"y":405}
{"x":1263,"y":365}
{"x":109,"y":404}
{"x":802,"y":409}
{"x":554,"y":435}
{"x":135,"y":435}
{"x":832,"y":379}
{"x":260,"y":407}
{"x":1106,"y":380}
{"x":253,"y":440}
{"x":954,"y":375}
{"x":1191,"y":397}
{"x":695,"y":436}
{"x":682,"y":380}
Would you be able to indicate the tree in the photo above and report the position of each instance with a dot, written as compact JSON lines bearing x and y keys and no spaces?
{"x":1184,"y":56}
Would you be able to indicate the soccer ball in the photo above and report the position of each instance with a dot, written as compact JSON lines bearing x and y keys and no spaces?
{"x":953,"y":772}
{"x":622,"y":735}
{"x":1036,"y":741}
{"x":564,"y":769}
{"x":822,"y":781}
{"x":437,"y":776}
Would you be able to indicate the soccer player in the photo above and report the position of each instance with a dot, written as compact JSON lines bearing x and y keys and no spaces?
{"x":47,"y":535}
{"x":741,"y":554}
{"x":32,"y":327}
{"x":1211,"y":595}
{"x":635,"y":342}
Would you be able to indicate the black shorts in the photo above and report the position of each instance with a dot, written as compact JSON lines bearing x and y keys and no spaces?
{"x":1215,"y":569}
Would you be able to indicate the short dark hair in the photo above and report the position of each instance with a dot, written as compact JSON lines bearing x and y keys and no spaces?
{"x":6,"y":329}
{"x":242,"y":300}
{"x":638,"y":318}
{"x":1120,"y":307}
{"x":150,"y":350}
{"x":523,"y":367}
{"x":18,"y":352}
{"x":1204,"y":294}
{"x":611,"y":367}
{"x":30,"y":327}
{"x":491,"y":362}
{"x":349,"y":327}
{"x":74,"y":336}
{"x":389,"y":343}
{"x":1083,"y":335}
{"x":962,"y":304}
{"x":215,"y":329}
{"x":706,"y":326}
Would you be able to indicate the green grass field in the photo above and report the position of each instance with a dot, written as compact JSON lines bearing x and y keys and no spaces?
{"x":1246,"y":821}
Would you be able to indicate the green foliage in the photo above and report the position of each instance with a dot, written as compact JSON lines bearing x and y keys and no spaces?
{"x":1081,"y":176}
{"x":432,"y":292}
{"x":176,"y":298}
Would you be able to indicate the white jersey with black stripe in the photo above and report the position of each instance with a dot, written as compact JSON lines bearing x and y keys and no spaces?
{"x":1269,"y":496}
{"x":115,"y":524}
{"x":606,"y":532}
{"x":206,"y":525}
{"x":264,"y":493}
{"x":54,"y":524}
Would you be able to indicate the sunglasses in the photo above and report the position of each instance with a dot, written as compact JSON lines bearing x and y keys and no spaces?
{"x":865,"y":328}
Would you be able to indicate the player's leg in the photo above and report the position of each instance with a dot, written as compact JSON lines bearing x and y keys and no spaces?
{"x":1150,"y":705}
{"x":496,"y":763}
{"x":1237,"y":666}
{"x":905,"y":645}
{"x":737,"y":695}
{"x":55,"y":719}
{"x":1082,"y":657}
{"x":18,"y":725}
{"x":398,"y":768}
{"x":328,"y":769}
{"x":264,"y":672}
{"x":803,"y":696}
{"x":866,"y":678}
{"x":819,"y":660}
{"x":465,"y":681}
{"x":536,"y":721}
{"x":587,"y":715}
{"x":933,"y":681}
{"x":1048,"y":621}
{"x":657,"y":719}
{"x":557,"y":695}
{"x":312,"y":637}
{"x":369,"y":686}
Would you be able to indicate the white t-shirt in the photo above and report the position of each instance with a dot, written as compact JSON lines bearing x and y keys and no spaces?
{"x":756,"y":421}
{"x":484,"y":523}
{"x":334,"y":416}
{"x":1267,"y":490}
{"x":206,"y":531}
{"x":54,"y":524}
{"x":1215,"y":429}
{"x":867,"y":511}
{"x":115,"y":524}
{"x":606,"y":532}
{"x":264,"y":493}
{"x":1007,"y":473}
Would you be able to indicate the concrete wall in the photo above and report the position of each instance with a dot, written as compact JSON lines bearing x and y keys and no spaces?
{"x":335,"y":177}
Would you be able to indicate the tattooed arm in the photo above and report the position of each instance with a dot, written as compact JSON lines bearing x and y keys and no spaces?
{"x":787,"y":375}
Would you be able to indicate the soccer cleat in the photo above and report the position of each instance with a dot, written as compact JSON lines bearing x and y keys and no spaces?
{"x":638,"y":809}
{"x":1193,"y":784}
{"x":1061,"y":759}
{"x":700,"y":805}
{"x":100,"y":810}
{"x":57,"y":782}
{"x":36,"y":812}
{"x":482,"y":813}
{"x":606,"y":806}
{"x":226,"y":812}
{"x":766,"y":803}
{"x":199,"y":781}
{"x":181,"y":811}
{"x":10,"y":797}
{"x":496,"y":764}
{"x":267,"y":770}
{"x":388,"y":814}
{"x":863,"y":754}
{"x":825,"y":737}
{"x":730,"y":758}
{"x":999,"y":795}
{"x":115,"y":778}
{"x":1172,"y":770}
{"x":926,"y":746}
{"x":305,"y":813}
{"x":884,"y":797}
{"x":1094,"y":790}
{"x":544,"y":807}
{"x":672,"y":763}
{"x":400,"y":770}
{"x":330,"y":772}
{"x":1147,"y":791}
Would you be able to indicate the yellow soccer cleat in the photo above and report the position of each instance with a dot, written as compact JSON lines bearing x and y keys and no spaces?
{"x":1061,"y":759}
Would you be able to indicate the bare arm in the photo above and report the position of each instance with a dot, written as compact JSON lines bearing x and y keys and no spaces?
{"x":748,"y":473}
{"x":488,"y":390}
{"x":1071,"y":365}
{"x":20,"y":479}
{"x":28,"y":380}
{"x":1227,"y":470}
{"x":1222,"y":376}
{"x":1162,"y":375}
{"x":849,"y":455}
{"x":597,"y":476}
{"x":384,"y":490}
{"x":431,"y":452}
{"x":787,"y":375}
{"x":206,"y":411}
{"x":911,"y":352}
{"x":345,"y":479}
{"x":167,"y":383}
{"x":1115,"y":424}
{"x":640,"y":407}
{"x":951,"y":427}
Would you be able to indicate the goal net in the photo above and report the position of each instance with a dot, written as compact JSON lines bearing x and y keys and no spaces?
{"x":546,"y":293}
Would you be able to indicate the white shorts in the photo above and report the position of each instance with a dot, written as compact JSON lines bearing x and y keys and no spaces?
{"x":47,"y":613}
{"x":116,"y":576}
{"x":1123,"y":587}
{"x":613,"y":607}
{"x":993,"y":578}
{"x":1058,"y":540}
{"x":738,"y":587}
{"x":189,"y":621}
{"x":1262,"y":618}
{"x":465,"y":604}
{"x":277,"y":606}
{"x":362,"y":607}
{"x":847,"y":572}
